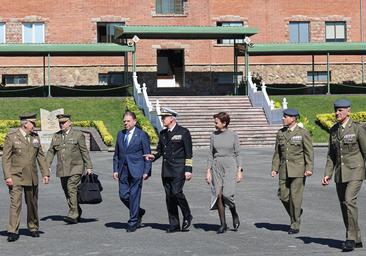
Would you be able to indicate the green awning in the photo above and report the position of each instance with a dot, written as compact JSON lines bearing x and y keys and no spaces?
{"x":98,"y":49}
{"x":343,"y":48}
{"x":184,"y":32}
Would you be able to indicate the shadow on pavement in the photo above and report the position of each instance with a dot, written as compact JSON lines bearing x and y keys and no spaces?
{"x":53,"y":218}
{"x":206,"y":227}
{"x":272,"y":227}
{"x":156,"y":226}
{"x":119,"y":225}
{"x":85,"y":220}
{"x":323,"y":241}
{"x":22,"y":232}
{"x":61,"y":218}
{"x":116,"y":225}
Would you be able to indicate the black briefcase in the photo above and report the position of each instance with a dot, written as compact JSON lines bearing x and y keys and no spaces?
{"x":89,"y":190}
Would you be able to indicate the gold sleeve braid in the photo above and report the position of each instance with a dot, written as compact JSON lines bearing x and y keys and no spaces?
{"x":188,"y":162}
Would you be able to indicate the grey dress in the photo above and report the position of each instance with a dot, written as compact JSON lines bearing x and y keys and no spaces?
{"x":224,"y":161}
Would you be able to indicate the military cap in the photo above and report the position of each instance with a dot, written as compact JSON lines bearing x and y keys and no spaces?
{"x":342,"y":103}
{"x":291,"y":112}
{"x":31,"y":117}
{"x":167,"y":112}
{"x":63,"y":118}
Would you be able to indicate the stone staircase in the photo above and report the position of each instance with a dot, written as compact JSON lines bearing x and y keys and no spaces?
{"x":195,"y":113}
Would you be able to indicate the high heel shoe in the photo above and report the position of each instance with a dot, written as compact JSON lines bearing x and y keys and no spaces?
{"x":222,"y":229}
{"x":236,"y":222}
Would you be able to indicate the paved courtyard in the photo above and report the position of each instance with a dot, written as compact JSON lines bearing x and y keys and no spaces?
{"x":263,"y":229}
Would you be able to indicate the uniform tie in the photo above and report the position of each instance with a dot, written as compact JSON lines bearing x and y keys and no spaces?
{"x":27,"y":138}
{"x":341,"y":130}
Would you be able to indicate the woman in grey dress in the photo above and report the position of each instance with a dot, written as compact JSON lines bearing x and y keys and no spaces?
{"x":224,"y":169}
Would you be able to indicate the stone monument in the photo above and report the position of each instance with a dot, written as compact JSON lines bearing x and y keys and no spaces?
{"x":49,"y":125}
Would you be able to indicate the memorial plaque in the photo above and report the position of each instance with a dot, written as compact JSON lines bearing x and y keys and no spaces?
{"x":49,"y":125}
{"x":49,"y":121}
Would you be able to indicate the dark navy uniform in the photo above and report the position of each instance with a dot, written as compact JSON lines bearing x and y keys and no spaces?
{"x":176,"y":149}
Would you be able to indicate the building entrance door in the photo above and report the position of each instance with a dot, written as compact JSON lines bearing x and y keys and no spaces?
{"x":170,"y":70}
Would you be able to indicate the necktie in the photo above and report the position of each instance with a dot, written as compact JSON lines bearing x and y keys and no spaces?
{"x":341,"y":129}
{"x":126,"y":139}
{"x":27,"y":138}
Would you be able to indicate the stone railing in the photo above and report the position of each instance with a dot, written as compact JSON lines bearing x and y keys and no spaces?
{"x":142,"y":100}
{"x":261,"y":99}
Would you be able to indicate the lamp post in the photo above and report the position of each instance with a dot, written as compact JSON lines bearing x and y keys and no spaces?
{"x":135,"y":40}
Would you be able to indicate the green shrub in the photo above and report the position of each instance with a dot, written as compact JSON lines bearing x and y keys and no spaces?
{"x":107,"y":138}
{"x":307,"y":125}
{"x":327,"y":120}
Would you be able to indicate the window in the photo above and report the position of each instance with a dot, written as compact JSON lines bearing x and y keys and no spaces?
{"x":15,"y":80}
{"x":319,"y":76}
{"x":299,"y":32}
{"x":106,"y":31}
{"x":2,"y":33}
{"x":103,"y":79}
{"x":33,"y":33}
{"x":335,"y":31}
{"x":169,"y":6}
{"x":111,"y":78}
{"x":230,"y":24}
{"x":227,"y":78}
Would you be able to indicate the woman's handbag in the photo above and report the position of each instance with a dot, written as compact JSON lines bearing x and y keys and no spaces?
{"x":89,"y":190}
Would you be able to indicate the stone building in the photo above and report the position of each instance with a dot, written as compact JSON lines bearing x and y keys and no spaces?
{"x":193,"y":66}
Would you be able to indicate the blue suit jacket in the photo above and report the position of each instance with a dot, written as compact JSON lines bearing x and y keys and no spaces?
{"x":132,"y":156}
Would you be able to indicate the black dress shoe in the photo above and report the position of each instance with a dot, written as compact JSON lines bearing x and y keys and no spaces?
{"x":359,"y":245}
{"x":70,"y":220}
{"x":292,"y":231}
{"x":187,"y":223}
{"x":348,"y":246}
{"x":222,"y":229}
{"x":131,"y":229}
{"x":173,"y":229}
{"x":12,"y":237}
{"x":139,"y":219}
{"x":34,"y":233}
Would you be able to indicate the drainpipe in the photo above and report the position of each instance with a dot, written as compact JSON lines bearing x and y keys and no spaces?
{"x":361,"y":32}
{"x":49,"y":74}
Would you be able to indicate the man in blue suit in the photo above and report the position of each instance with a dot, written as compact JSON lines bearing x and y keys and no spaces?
{"x":130,"y":167}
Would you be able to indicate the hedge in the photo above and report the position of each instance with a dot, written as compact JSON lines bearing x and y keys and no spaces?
{"x":107,"y":138}
{"x":327,"y":120}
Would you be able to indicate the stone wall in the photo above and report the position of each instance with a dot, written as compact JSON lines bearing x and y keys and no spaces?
{"x":199,"y":80}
